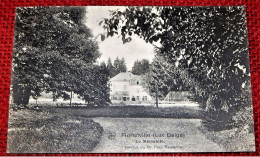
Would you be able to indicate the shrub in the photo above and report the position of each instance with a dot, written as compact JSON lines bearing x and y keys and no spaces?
{"x":229,"y":110}
{"x":217,"y":114}
{"x":244,"y":120}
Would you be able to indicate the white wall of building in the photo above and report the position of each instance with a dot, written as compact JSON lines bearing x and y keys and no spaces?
{"x":116,"y":86}
{"x":128,"y":87}
{"x":139,"y":93}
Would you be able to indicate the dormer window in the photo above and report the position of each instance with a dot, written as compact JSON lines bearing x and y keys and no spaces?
{"x":137,"y":82}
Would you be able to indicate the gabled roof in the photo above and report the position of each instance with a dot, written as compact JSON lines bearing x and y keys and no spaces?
{"x":136,"y":77}
{"x":125,"y":76}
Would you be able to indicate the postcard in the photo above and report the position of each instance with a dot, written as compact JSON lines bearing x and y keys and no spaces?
{"x":130,"y":79}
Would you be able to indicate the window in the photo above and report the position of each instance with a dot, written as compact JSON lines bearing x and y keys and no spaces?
{"x":137,"y":97}
{"x":144,"y":98}
{"x":137,"y":82}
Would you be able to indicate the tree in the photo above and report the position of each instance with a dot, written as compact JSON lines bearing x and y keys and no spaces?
{"x":102,"y":85}
{"x":141,"y":67}
{"x":209,"y":44}
{"x":120,"y":65}
{"x":53,"y":52}
{"x":111,"y":68}
{"x":165,"y":77}
{"x":95,"y":90}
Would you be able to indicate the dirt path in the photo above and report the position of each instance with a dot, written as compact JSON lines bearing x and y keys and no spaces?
{"x":192,"y":139}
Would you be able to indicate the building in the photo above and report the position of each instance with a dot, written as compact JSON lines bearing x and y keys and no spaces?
{"x":128,"y":87}
{"x":178,"y":96}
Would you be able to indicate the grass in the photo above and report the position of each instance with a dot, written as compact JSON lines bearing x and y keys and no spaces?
{"x":70,"y":129}
{"x":232,"y":140}
{"x":45,"y":132}
{"x":52,"y":129}
{"x":133,"y":112}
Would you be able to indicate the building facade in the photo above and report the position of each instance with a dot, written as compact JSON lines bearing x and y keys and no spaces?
{"x":178,"y":96}
{"x":128,"y":87}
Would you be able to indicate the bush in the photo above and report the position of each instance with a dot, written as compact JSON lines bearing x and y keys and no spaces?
{"x":217,"y":114}
{"x":230,"y":124}
{"x":244,"y":120}
{"x":227,"y":110}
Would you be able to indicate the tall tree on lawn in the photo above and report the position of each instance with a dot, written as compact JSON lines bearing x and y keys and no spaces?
{"x":53,"y":52}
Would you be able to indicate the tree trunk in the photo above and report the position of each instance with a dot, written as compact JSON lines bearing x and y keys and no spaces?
{"x":21,"y":93}
{"x":156,"y":96}
{"x":70,"y":97}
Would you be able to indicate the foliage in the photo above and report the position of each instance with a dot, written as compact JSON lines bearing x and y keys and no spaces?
{"x":166,"y":77}
{"x":141,"y":67}
{"x":96,"y":89}
{"x":111,"y":68}
{"x":244,"y":117}
{"x":118,"y":66}
{"x":53,"y":52}
{"x":209,"y":44}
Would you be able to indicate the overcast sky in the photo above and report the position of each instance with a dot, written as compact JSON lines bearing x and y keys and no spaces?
{"x":112,"y":47}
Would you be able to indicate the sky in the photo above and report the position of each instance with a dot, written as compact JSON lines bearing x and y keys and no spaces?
{"x":113,"y":47}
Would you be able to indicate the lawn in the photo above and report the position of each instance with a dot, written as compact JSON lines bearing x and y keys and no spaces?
{"x":30,"y":131}
{"x":70,"y":129}
{"x":132,"y":112}
{"x":233,"y":140}
{"x":54,"y":129}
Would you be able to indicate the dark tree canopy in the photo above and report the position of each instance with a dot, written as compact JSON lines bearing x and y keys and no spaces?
{"x":111,"y":68}
{"x":116,"y":67}
{"x":120,"y":65}
{"x":53,"y":52}
{"x":166,"y":77}
{"x":141,"y":67}
{"x":208,"y":45}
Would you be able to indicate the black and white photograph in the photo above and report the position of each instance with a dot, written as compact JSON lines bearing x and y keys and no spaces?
{"x":130,"y":79}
